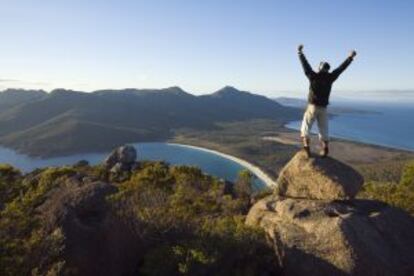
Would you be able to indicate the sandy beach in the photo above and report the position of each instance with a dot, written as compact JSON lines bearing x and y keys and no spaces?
{"x":253,"y":168}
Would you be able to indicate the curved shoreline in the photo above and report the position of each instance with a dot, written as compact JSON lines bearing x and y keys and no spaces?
{"x":259,"y":173}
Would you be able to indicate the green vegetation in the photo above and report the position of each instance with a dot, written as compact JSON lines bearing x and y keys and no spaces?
{"x":397,"y":193}
{"x":385,"y":171}
{"x":184,"y":221}
{"x":8,"y":175}
{"x":195,"y":226}
{"x":188,"y":222}
{"x":24,"y":245}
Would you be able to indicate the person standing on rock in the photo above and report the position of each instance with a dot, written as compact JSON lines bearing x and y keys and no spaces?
{"x":318,"y":99}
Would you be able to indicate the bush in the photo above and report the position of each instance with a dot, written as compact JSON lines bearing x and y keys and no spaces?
{"x":25,"y":248}
{"x":243,"y":187}
{"x":10,"y":184}
{"x":193,"y":227}
{"x":388,"y":171}
{"x":396,"y":194}
{"x":187,"y":222}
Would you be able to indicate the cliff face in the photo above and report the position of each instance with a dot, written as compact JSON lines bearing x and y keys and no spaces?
{"x":317,"y":228}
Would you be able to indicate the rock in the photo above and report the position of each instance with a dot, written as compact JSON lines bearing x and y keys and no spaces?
{"x":127,"y":154}
{"x":318,"y":178}
{"x":322,"y":237}
{"x":121,"y":159}
{"x":96,"y":241}
{"x":119,"y":167}
{"x":89,"y":179}
{"x":81,"y":163}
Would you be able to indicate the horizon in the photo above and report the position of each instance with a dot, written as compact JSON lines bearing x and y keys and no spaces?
{"x":404,"y":96}
{"x":202,"y":47}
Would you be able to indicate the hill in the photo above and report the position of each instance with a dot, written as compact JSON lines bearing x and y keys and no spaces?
{"x":12,"y":97}
{"x":65,"y":121}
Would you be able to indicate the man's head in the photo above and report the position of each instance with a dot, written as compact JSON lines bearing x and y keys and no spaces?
{"x":324,"y":67}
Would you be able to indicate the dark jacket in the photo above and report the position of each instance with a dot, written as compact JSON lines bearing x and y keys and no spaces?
{"x":321,"y":82}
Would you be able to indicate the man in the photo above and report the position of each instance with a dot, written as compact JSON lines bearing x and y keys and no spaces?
{"x":318,"y":99}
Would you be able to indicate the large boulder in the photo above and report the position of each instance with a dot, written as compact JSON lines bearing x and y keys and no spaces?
{"x":96,"y":241}
{"x":121,"y":159}
{"x":322,"y":237}
{"x":318,"y":178}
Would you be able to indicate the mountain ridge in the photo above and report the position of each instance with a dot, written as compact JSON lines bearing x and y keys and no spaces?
{"x":39,"y":125}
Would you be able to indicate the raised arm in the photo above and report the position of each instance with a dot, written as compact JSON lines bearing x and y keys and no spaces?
{"x":305,"y":64}
{"x":335,"y":73}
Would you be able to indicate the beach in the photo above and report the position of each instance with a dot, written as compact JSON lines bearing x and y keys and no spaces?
{"x":259,"y":173}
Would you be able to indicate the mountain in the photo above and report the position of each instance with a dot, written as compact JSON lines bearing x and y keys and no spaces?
{"x":12,"y":97}
{"x":66,"y":121}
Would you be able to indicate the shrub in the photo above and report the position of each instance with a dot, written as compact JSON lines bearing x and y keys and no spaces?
{"x":10,"y":184}
{"x":396,"y":194}
{"x":25,"y":248}
{"x":188,"y":224}
{"x":191,"y":225}
{"x":243,"y":187}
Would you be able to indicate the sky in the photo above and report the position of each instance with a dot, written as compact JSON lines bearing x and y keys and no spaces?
{"x":202,"y":46}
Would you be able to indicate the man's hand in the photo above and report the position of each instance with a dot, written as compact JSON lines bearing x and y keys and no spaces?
{"x":300,"y":48}
{"x":352,"y":54}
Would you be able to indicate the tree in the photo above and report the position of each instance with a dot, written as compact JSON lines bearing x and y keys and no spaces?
{"x":243,"y":188}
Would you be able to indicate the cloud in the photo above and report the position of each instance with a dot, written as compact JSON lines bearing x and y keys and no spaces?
{"x":15,"y":82}
{"x":9,"y":80}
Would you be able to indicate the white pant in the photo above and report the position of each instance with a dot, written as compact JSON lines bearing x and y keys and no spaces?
{"x":321,"y":115}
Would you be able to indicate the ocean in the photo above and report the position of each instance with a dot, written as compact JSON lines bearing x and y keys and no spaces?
{"x":210,"y":163}
{"x":379,"y":123}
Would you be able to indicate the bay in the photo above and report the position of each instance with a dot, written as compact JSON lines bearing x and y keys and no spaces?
{"x":210,"y":163}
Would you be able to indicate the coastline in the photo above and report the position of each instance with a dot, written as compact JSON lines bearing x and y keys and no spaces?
{"x":259,"y":173}
{"x":352,"y":140}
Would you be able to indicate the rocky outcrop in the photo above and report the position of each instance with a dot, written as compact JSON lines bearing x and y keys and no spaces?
{"x":333,"y":237}
{"x":81,"y":163}
{"x":96,"y":241}
{"x":318,"y":237}
{"x":318,"y":178}
{"x":121,"y":159}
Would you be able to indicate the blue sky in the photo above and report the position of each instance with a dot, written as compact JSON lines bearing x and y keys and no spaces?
{"x":204,"y":45}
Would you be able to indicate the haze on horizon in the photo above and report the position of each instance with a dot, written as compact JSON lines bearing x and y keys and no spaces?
{"x":203,"y":46}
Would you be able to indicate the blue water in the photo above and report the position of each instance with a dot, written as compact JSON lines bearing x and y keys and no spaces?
{"x":387,"y":124}
{"x":210,"y":163}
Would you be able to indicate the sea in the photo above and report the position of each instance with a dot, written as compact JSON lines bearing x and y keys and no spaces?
{"x":211,"y":163}
{"x":389,"y":124}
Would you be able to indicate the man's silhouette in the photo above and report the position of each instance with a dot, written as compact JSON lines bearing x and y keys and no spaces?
{"x":318,"y":99}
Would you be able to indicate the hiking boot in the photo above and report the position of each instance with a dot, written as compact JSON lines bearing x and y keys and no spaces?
{"x":325,"y":152}
{"x":307,"y":150}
